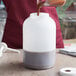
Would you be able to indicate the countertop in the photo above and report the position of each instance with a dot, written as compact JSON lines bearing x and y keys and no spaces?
{"x":11,"y":64}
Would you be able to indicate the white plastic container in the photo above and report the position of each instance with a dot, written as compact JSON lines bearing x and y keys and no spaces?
{"x":39,"y":41}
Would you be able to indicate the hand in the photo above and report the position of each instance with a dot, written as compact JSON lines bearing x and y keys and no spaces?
{"x":57,"y":2}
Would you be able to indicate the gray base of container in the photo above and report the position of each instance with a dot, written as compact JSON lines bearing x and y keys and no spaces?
{"x":39,"y":60}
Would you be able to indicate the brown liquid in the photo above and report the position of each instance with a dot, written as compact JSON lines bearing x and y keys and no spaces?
{"x":39,"y":6}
